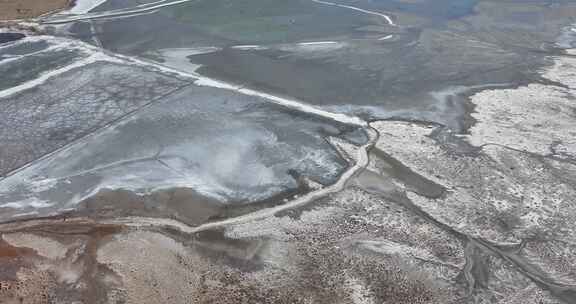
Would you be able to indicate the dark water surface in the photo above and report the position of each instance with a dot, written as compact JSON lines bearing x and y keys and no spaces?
{"x":414,"y":69}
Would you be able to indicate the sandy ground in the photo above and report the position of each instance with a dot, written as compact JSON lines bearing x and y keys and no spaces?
{"x":22,"y":9}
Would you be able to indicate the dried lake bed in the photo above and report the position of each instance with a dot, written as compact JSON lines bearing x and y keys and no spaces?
{"x":290,"y":152}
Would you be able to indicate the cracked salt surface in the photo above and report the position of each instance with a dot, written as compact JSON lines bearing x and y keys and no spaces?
{"x":185,"y":139}
{"x":64,"y":104}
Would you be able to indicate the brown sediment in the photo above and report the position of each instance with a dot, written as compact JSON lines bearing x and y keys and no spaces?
{"x":24,"y":9}
{"x":30,"y":273}
{"x":11,"y":252}
{"x":181,"y":204}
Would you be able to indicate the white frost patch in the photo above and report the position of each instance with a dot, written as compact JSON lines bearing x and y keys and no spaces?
{"x":287,"y":102}
{"x":91,"y":54}
{"x":177,"y":58}
{"x":208,"y":82}
{"x":306,"y":108}
{"x":313,"y":46}
{"x":248,"y":47}
{"x":44,"y":77}
{"x":13,"y":205}
{"x":27,"y":203}
{"x":345,"y":148}
{"x":534,"y":118}
{"x":50,"y":48}
{"x":358,"y":292}
{"x":567,"y":38}
{"x":85,"y":6}
{"x":563,"y":71}
{"x":126,"y":12}
{"x":386,"y":17}
{"x":317,"y":43}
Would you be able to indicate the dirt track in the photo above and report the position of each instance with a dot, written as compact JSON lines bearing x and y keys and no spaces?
{"x":22,"y":9}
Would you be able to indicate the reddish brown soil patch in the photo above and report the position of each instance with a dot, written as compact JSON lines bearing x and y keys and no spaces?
{"x":8,"y":251}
